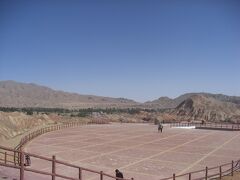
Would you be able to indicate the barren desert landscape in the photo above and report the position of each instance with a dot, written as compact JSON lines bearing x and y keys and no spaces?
{"x":119,"y":90}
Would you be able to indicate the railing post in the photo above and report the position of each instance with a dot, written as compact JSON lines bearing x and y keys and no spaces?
{"x":80,"y":173}
{"x":21,"y":164}
{"x":174,"y":176}
{"x":14,"y":158}
{"x":5,"y":157}
{"x":232,"y":169}
{"x":206,"y":173}
{"x":101,"y":175}
{"x":53,"y":167}
{"x":19,"y":156}
{"x":220,"y":172}
{"x":189,"y":176}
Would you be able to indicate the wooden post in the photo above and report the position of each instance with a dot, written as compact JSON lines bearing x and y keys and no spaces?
{"x":174,"y":176}
{"x":80,"y":173}
{"x":5,"y":157}
{"x":220,"y":172}
{"x":206,"y":173}
{"x":101,"y":175}
{"x":53,"y":167}
{"x":21,"y":164}
{"x":19,"y":156}
{"x":14,"y":158}
{"x":232,"y":169}
{"x":189,"y":176}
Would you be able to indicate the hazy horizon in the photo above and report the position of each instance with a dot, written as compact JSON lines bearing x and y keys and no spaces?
{"x":139,"y":50}
{"x":111,"y":96}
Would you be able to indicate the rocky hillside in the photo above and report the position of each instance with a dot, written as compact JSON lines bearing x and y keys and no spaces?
{"x":14,"y":94}
{"x":208,"y":108}
{"x":166,"y":102}
{"x":14,"y":124}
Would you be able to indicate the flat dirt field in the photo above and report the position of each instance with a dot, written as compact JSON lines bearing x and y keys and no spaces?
{"x":138,"y":150}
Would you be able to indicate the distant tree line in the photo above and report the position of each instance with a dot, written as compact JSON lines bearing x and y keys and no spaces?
{"x":30,"y":110}
{"x":75,"y":112}
{"x":78,"y":112}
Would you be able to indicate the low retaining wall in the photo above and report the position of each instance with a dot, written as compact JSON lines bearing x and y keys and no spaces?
{"x":210,"y":126}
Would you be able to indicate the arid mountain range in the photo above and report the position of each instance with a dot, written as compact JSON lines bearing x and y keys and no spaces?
{"x":15,"y":94}
{"x":191,"y":106}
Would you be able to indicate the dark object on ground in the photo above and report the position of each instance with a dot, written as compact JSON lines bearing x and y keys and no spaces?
{"x":160,"y":127}
{"x":27,"y":160}
{"x":118,"y":174}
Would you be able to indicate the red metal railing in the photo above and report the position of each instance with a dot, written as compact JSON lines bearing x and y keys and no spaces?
{"x":44,"y":130}
{"x":8,"y":153}
{"x":7,"y":161}
{"x":14,"y":158}
{"x":209,"y":173}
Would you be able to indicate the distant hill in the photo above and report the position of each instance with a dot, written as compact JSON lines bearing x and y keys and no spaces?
{"x":15,"y":94}
{"x":190,"y":106}
{"x":208,"y":108}
{"x":165,"y":102}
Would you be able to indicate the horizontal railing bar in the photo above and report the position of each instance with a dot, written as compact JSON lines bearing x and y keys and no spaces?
{"x":114,"y":177}
{"x":38,"y":171}
{"x":198,"y":171}
{"x":9,"y":149}
{"x":74,"y":166}
{"x":9,"y":165}
{"x":6,"y":160}
{"x":200,"y":178}
{"x":47,"y":173}
{"x":38,"y":156}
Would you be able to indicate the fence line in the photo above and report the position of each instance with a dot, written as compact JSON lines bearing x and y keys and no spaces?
{"x":206,"y":173}
{"x":44,"y":130}
{"x":14,"y":158}
{"x":209,"y":173}
{"x":54,"y":162}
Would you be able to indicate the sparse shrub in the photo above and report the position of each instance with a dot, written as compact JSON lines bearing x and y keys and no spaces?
{"x":29,"y":112}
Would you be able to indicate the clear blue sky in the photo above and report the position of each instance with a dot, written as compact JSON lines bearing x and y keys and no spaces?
{"x":122,"y":48}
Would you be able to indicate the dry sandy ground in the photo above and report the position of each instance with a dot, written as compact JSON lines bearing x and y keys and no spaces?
{"x":138,"y":150}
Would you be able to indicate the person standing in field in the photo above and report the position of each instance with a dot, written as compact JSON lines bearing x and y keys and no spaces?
{"x":160,"y":127}
{"x":27,"y":160}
